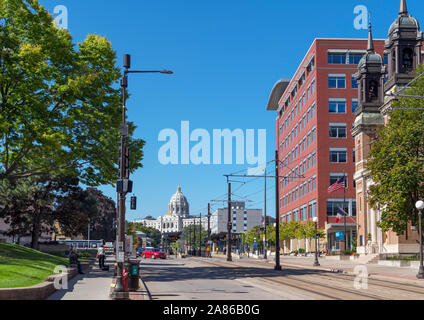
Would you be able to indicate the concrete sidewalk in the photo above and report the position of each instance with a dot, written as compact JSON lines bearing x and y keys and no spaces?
{"x":375,"y":270}
{"x":93,"y":285}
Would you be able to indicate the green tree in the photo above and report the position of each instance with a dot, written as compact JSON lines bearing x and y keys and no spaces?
{"x":254,"y":235}
{"x":32,"y":205}
{"x":103,"y":223}
{"x":396,"y":163}
{"x":188,"y":235}
{"x":151,"y":233}
{"x":60,"y":103}
{"x":74,"y":210}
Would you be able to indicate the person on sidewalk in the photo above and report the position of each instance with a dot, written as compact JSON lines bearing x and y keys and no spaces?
{"x":73,"y":259}
{"x":101,"y":256}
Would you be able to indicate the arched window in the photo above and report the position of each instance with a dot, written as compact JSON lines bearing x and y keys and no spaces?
{"x":407,"y":58}
{"x":373,"y":90}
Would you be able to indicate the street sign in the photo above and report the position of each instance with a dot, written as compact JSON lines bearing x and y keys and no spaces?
{"x":120,"y":257}
{"x":340,"y":236}
{"x":120,"y":246}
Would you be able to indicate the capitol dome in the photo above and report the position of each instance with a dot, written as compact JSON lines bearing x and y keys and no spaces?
{"x":178,"y":204}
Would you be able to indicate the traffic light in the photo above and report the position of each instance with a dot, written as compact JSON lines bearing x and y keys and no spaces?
{"x":126,"y":163}
{"x":133,"y":202}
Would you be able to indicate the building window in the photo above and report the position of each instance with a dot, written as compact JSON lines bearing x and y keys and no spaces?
{"x":313,"y":134}
{"x":296,"y":214}
{"x":338,"y":156}
{"x":313,"y":110}
{"x":337,"y":81}
{"x":334,"y":58}
{"x":337,"y":130}
{"x":354,"y":82}
{"x":355,"y":58}
{"x":314,"y":182}
{"x":334,"y":177}
{"x":312,"y":209}
{"x":304,"y":213}
{"x":313,"y":86}
{"x":354,"y":208}
{"x":337,"y":106}
{"x":353,"y":155}
{"x":333,"y":206}
{"x":314,"y":158}
{"x":354,"y":105}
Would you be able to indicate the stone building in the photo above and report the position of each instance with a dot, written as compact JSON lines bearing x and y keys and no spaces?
{"x":376,"y":84}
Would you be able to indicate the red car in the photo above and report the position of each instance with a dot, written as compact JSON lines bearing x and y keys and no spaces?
{"x":153,"y":253}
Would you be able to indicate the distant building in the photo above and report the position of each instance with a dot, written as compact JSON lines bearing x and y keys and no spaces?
{"x":242,"y":219}
{"x":179,"y":217}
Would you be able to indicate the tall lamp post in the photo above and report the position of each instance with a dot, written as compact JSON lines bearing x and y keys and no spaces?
{"x":420,"y":206}
{"x":316,"y":263}
{"x":124,"y":184}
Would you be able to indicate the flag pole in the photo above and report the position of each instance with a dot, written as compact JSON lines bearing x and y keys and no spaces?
{"x":344,"y":202}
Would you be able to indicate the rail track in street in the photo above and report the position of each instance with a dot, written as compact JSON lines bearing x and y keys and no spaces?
{"x":322,"y":284}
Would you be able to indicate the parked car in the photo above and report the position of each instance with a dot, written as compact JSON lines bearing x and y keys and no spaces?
{"x":153,"y":253}
{"x":139,"y":251}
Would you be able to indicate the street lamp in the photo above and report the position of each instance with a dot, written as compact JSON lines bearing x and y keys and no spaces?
{"x":420,"y":206}
{"x":316,"y":263}
{"x":124,"y":184}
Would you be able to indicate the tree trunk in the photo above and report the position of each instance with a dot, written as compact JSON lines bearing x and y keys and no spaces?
{"x":35,"y":235}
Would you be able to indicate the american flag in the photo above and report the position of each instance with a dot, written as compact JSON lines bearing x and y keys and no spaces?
{"x":339,"y":184}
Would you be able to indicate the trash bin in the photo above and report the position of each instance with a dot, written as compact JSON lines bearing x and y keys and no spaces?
{"x":134,"y":274}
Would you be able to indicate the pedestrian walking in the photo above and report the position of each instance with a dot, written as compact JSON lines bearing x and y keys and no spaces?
{"x":101,"y":256}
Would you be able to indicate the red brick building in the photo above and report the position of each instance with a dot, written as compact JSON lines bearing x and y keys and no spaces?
{"x":315,"y":116}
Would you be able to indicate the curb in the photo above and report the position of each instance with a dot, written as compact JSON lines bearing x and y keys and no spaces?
{"x":147,"y":295}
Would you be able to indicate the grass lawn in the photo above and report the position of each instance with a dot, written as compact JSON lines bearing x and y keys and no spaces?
{"x":22,"y":267}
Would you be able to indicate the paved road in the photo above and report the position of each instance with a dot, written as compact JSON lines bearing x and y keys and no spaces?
{"x":93,"y":285}
{"x":192,"y":279}
{"x":216,"y":279}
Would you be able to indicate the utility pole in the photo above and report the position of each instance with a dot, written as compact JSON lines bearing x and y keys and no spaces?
{"x":229,"y":226}
{"x":209,"y":230}
{"x":194,"y":219}
{"x":265,"y":248}
{"x":200,"y":235}
{"x":277,"y":217}
{"x":124,"y":185}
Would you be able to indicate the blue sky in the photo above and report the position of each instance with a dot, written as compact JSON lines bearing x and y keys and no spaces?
{"x":226,"y":56}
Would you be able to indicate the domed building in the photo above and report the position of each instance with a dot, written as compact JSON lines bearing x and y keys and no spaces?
{"x":178,"y":204}
{"x":177,"y":217}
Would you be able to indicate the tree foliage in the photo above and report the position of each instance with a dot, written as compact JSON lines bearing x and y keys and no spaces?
{"x":60,"y":104}
{"x":32,"y":205}
{"x":103,"y":224}
{"x":396,"y":163}
{"x":150,"y":232}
